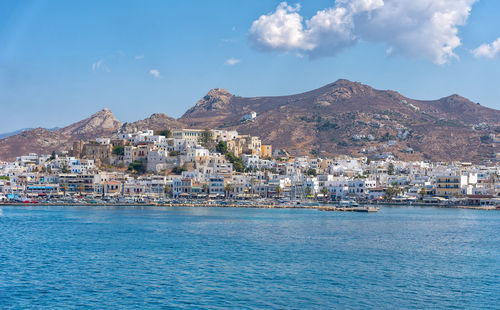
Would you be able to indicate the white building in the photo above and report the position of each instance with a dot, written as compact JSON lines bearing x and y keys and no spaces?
{"x":216,"y":185}
{"x":250,"y":116}
{"x":361,"y":187}
{"x":337,"y":189}
{"x":157,"y":160}
{"x":195,"y":152}
{"x":224,"y":135}
{"x":80,"y":165}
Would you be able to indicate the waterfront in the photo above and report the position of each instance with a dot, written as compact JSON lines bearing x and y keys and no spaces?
{"x":147,"y":257}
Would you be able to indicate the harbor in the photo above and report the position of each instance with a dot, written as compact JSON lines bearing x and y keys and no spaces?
{"x":342,"y":206}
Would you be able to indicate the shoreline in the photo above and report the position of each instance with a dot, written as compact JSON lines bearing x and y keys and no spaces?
{"x":362,"y":208}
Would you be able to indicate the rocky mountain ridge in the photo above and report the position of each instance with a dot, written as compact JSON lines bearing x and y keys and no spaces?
{"x":347,"y":117}
{"x":157,"y":121}
{"x":343,"y":117}
{"x":43,"y":141}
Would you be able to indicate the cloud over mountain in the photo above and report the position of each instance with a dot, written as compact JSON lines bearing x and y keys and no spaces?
{"x":417,"y":29}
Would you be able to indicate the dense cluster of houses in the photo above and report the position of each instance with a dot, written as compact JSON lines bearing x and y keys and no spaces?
{"x":217,"y":163}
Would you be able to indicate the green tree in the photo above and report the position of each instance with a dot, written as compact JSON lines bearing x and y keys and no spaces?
{"x":166,"y":133}
{"x":178,"y":170}
{"x":324,"y":191}
{"x":390,"y":192}
{"x":390,"y":169}
{"x":221,"y":147}
{"x":167,"y":190}
{"x":207,"y":139}
{"x":206,"y":189}
{"x":228,"y":189}
{"x":119,"y":150}
{"x":174,"y":153}
{"x":308,"y":191}
{"x":237,"y":162}
{"x":311,"y":172}
{"x":138,"y":166}
{"x":53,"y":156}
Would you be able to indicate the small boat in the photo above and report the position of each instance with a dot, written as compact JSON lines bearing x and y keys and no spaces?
{"x":348,"y":204}
{"x":366,"y":209}
{"x":311,"y":204}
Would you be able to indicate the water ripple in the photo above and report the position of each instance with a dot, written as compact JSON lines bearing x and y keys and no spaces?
{"x":184,"y":258}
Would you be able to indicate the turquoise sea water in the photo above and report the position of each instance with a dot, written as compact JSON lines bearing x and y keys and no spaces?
{"x":210,"y":258}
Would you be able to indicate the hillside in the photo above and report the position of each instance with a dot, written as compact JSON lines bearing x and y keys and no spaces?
{"x":13,"y":133}
{"x":157,"y":121}
{"x":347,"y":117}
{"x":43,"y":141}
{"x":340,"y":118}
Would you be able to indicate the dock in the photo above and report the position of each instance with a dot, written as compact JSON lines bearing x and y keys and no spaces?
{"x":351,"y":209}
{"x":367,"y":209}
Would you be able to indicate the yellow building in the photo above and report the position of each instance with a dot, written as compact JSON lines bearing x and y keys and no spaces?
{"x":253,"y":145}
{"x":266,"y":150}
{"x":245,"y":144}
{"x":450,"y":185}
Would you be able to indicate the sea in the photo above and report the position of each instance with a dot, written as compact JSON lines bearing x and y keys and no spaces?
{"x":244,"y":258}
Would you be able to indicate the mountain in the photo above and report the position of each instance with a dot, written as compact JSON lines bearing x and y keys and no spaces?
{"x":13,"y":133}
{"x":157,"y":121}
{"x":343,"y":117}
{"x":44,"y":141}
{"x":347,"y":117}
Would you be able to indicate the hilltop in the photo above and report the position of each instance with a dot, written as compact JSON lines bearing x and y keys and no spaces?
{"x":343,"y":117}
{"x":44,"y":141}
{"x":347,"y":117}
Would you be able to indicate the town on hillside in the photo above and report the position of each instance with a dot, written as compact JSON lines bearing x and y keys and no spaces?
{"x":218,"y":165}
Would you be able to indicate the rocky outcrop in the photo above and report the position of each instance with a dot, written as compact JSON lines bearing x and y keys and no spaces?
{"x":215,"y":100}
{"x":43,"y":141}
{"x":157,"y":121}
{"x":101,"y":122}
{"x":347,"y":117}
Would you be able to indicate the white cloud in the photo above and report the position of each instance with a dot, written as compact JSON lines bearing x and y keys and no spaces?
{"x":281,"y":30}
{"x":155,"y":73}
{"x":100,"y":65}
{"x":232,"y":61}
{"x":488,"y":50}
{"x":139,"y":57}
{"x":420,"y":29}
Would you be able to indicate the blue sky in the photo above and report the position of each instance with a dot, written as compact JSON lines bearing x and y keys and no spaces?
{"x":61,"y":61}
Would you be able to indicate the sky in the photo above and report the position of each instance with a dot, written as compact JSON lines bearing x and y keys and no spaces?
{"x":61,"y":61}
